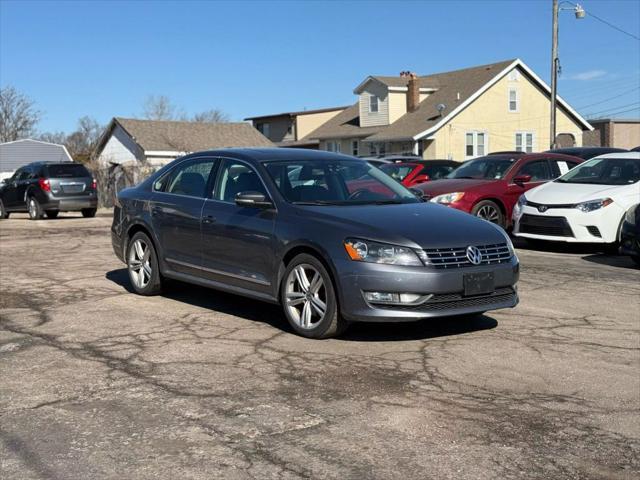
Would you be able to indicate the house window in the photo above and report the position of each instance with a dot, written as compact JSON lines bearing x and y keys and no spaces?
{"x":475,"y":144}
{"x":513,"y":100}
{"x":333,"y":146}
{"x":355,"y":148}
{"x":373,"y":104}
{"x":524,"y":142}
{"x":263,"y":128}
{"x":514,"y":75}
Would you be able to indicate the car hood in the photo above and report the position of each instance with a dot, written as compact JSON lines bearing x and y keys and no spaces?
{"x":556,"y":193}
{"x":424,"y":224}
{"x":449,"y":185}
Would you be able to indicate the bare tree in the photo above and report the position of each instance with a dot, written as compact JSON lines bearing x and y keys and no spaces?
{"x":159,"y":107}
{"x":84,"y":140}
{"x":18,"y":115}
{"x":213,"y":115}
{"x":53,"y":137}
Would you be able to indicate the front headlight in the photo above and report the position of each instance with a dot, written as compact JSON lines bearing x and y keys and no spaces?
{"x":448,"y":197}
{"x":517,"y":209}
{"x":374,"y":252}
{"x":592,"y":205}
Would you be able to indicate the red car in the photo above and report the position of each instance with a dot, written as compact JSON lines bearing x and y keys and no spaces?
{"x":413,"y":172}
{"x":489,"y":187}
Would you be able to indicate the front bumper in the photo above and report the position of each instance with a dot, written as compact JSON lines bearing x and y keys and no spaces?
{"x":446,"y":285}
{"x":569,"y":224}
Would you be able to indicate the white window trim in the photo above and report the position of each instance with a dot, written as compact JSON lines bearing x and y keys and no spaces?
{"x":475,"y":143}
{"x":513,"y":89}
{"x":534,"y":140}
{"x":371,"y":97}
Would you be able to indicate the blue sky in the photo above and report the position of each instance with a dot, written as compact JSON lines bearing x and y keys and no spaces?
{"x":249,"y":58}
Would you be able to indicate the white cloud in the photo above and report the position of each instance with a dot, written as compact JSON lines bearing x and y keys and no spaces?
{"x":588,"y":75}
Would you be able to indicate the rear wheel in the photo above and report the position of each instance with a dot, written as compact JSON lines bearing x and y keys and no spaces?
{"x":3,"y":211}
{"x":34,"y":209}
{"x":309,"y":299}
{"x":52,"y":213}
{"x":88,"y":212}
{"x":142,"y":264}
{"x":489,"y":211}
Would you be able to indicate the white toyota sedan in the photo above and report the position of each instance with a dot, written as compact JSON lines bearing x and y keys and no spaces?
{"x":586,"y":204}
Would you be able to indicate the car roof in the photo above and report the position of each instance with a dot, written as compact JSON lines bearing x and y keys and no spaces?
{"x":271,"y":154}
{"x":632,"y":155}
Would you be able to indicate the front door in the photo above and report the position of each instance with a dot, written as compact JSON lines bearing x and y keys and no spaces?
{"x":238,"y":242}
{"x":13,"y":196}
{"x":176,"y":209}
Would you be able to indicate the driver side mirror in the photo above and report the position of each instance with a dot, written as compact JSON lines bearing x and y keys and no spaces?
{"x":522,"y":179}
{"x":253,"y":200}
{"x":417,"y":192}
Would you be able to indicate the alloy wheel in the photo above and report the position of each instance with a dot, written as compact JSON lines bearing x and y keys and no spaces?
{"x":489,"y":213}
{"x":139,"y":263}
{"x":33,"y":208}
{"x":305,"y":296}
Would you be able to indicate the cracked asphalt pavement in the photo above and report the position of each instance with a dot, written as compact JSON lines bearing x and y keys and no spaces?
{"x":98,"y":383}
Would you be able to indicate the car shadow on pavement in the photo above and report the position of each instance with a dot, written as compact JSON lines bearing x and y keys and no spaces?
{"x":620,"y":261}
{"x":272,"y":315}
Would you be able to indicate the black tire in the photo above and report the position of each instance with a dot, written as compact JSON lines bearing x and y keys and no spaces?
{"x":153,"y":286}
{"x":34,"y":209}
{"x":490,"y":211}
{"x":3,"y":212}
{"x":52,"y":213}
{"x":89,"y":212}
{"x":636,"y":258}
{"x":330,"y":324}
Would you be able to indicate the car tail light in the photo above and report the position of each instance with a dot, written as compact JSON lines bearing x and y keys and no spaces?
{"x":44,"y":184}
{"x":94,"y":184}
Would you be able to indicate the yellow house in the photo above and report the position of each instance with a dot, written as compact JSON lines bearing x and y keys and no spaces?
{"x":456,"y":115}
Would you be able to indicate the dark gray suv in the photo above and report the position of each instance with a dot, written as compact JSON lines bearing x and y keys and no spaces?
{"x":329,"y":237}
{"x":41,"y":188}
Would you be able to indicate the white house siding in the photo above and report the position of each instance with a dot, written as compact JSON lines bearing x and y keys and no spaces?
{"x":397,"y":105}
{"x":368,"y":119}
{"x":119,"y":149}
{"x":14,"y":155}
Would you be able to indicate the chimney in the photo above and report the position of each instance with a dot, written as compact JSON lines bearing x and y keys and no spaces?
{"x":413,"y":92}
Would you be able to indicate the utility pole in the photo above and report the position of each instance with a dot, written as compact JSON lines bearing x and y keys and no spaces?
{"x":554,"y":75}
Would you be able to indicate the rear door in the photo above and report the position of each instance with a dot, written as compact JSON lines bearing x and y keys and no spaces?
{"x":69,"y":180}
{"x":176,"y":209}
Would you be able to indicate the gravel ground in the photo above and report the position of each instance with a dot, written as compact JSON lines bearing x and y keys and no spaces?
{"x":97,"y":383}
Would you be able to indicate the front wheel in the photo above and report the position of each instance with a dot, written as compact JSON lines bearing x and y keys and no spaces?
{"x":142,"y":264}
{"x":34,"y":209}
{"x":88,"y":212}
{"x":489,"y":211}
{"x":309,"y":299}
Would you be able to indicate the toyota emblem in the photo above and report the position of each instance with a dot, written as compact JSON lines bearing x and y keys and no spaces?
{"x":542,"y":208}
{"x":474,"y":255}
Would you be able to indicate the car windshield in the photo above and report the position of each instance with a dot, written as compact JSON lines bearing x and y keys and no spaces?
{"x":397,"y":171}
{"x":492,"y":168}
{"x":67,"y":171}
{"x":336,"y":182}
{"x":604,"y":171}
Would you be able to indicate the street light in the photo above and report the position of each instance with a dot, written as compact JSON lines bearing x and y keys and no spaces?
{"x":579,"y":13}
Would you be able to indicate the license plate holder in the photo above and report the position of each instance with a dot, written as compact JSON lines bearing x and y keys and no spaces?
{"x":478,"y":283}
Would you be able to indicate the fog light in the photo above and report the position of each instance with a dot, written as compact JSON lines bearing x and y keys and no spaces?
{"x":396,"y":298}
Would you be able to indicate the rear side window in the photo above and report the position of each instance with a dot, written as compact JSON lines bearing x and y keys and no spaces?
{"x":67,"y":171}
{"x":189,"y":178}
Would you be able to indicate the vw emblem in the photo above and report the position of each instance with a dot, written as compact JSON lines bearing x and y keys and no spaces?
{"x":542,"y":208}
{"x":474,"y":255}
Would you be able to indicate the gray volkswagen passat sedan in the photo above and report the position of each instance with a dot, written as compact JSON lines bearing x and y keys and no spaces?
{"x":329,"y":237}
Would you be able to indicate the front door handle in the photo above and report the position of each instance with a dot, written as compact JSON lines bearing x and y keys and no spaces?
{"x":209,"y":219}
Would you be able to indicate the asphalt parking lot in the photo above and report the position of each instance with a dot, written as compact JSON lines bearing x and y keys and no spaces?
{"x":96,"y":382}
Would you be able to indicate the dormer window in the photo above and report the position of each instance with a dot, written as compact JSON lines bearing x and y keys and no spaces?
{"x":373,"y":104}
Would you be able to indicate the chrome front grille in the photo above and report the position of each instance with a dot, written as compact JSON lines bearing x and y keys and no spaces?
{"x":456,"y":257}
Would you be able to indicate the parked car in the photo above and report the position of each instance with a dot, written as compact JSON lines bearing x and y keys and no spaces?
{"x":41,"y":188}
{"x":635,"y":149}
{"x":488,"y":187}
{"x":329,"y":252}
{"x":586,"y":153}
{"x":586,"y":204}
{"x":413,"y":172}
{"x":630,"y":234}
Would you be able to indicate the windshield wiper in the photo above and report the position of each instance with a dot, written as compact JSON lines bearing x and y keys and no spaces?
{"x":315,"y":202}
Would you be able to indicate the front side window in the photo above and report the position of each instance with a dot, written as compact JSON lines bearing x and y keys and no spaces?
{"x":489,"y":168}
{"x":373,"y":104}
{"x":189,"y":179}
{"x":475,"y":144}
{"x":524,"y":142}
{"x":513,"y":100}
{"x":237,"y":177}
{"x":538,"y":170}
{"x":604,"y":171}
{"x":342,"y":182}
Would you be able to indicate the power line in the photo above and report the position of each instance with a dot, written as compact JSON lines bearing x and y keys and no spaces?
{"x":610,"y":98}
{"x":612,"y":25}
{"x":612,"y":114}
{"x":613,"y":108}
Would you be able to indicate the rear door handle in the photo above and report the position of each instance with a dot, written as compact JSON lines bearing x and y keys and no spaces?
{"x":209,"y":219}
